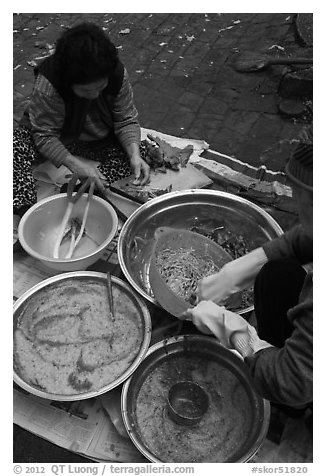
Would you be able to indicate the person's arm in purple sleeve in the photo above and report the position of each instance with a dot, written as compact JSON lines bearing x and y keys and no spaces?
{"x":292,"y":244}
{"x":285,"y":375}
{"x":280,"y":375}
{"x":240,"y":273}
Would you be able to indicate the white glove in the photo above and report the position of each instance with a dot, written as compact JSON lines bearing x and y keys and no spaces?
{"x":232,"y":330}
{"x":234,"y":276}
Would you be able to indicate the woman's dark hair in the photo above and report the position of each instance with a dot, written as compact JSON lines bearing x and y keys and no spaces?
{"x":84,"y":54}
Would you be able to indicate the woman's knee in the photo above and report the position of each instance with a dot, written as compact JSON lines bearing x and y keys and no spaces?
{"x":24,"y":151}
{"x":280,"y":274}
{"x":277,"y":289}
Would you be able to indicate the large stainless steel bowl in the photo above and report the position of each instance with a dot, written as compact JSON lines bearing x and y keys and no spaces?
{"x":144,"y":317}
{"x":187,"y":209}
{"x":243,"y":439}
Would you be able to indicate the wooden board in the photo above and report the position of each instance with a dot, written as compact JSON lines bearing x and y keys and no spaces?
{"x":186,"y":178}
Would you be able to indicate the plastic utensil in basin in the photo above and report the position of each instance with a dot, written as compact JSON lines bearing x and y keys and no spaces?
{"x":176,"y":239}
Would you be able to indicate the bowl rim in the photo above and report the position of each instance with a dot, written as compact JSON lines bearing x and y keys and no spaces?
{"x":156,"y":348}
{"x":41,"y":257}
{"x":127,"y":373}
{"x":184,"y":193}
{"x":164,"y":295}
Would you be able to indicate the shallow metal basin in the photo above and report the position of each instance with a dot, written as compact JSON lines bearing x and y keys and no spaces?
{"x":184,"y":210}
{"x":190,"y":348}
{"x":140,"y":307}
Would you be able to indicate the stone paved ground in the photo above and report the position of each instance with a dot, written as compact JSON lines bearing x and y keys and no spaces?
{"x":181,"y":68}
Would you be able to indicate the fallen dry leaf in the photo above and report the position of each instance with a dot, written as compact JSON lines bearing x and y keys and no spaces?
{"x":277,"y":47}
{"x":126,"y":31}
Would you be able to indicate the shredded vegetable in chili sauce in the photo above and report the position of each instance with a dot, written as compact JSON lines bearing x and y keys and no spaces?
{"x":182,"y":268}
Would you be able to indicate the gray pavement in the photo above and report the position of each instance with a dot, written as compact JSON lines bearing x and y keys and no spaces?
{"x":181,"y":69}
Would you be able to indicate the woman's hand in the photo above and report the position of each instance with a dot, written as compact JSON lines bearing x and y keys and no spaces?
{"x":210,"y":318}
{"x":232,"y":330}
{"x":138,"y":166}
{"x":215,"y":287}
{"x":85,"y":168}
{"x":207,"y":317}
{"x":234,"y":276}
{"x":141,"y":170}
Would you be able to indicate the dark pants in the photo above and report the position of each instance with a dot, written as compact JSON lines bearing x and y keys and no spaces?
{"x":277,"y":289}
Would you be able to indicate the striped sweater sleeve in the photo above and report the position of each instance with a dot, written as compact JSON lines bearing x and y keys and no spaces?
{"x":125,"y":115}
{"x":47,"y":112}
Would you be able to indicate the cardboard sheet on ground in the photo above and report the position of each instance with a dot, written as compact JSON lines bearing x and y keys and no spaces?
{"x":259,"y":183}
{"x":96,"y":438}
{"x":186,"y":178}
{"x":81,"y":427}
{"x":50,"y":178}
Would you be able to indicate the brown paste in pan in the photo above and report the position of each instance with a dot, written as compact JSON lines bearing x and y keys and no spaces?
{"x":65,"y":341}
{"x":222,"y":430}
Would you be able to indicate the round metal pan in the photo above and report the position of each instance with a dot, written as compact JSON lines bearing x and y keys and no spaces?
{"x":202,"y":346}
{"x":184,"y":210}
{"x":139,"y":305}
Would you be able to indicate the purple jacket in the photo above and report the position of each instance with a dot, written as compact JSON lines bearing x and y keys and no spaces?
{"x":286,"y":375}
